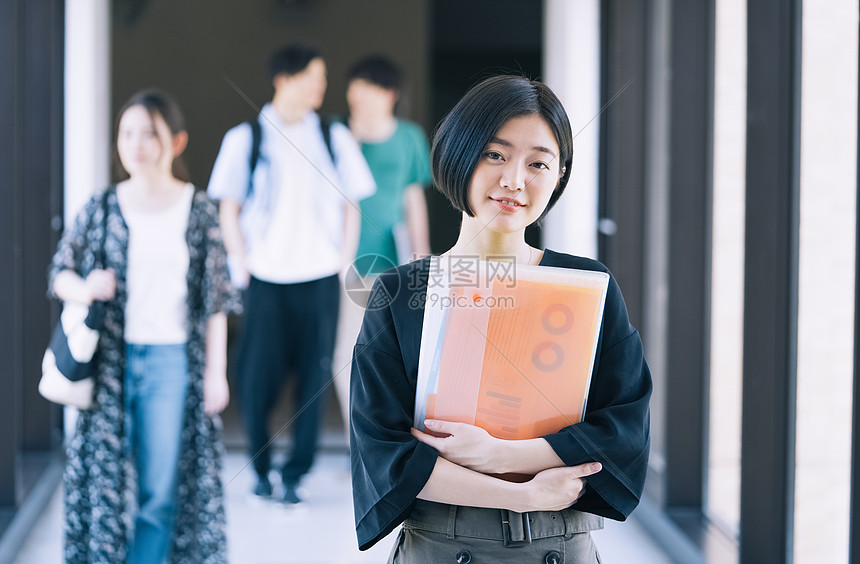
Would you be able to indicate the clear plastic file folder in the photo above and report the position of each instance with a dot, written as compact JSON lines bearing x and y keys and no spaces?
{"x":508,"y":347}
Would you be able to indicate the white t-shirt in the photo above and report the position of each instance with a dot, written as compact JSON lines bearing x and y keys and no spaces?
{"x":156,"y":311}
{"x":293,"y":222}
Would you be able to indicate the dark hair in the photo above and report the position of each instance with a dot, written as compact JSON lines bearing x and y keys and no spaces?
{"x":378,"y":70}
{"x":156,"y":103}
{"x":291,"y":59}
{"x":467,"y":129}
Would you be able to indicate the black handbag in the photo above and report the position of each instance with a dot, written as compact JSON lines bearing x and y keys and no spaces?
{"x":68,"y":363}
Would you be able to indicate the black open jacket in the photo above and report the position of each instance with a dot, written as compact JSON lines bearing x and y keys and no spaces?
{"x":390,"y":466}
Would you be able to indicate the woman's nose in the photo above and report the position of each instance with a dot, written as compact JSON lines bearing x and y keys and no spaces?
{"x":135,"y":141}
{"x":514,"y":178}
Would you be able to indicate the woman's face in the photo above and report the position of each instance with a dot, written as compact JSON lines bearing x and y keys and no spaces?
{"x":144,"y":142}
{"x":516,"y":175}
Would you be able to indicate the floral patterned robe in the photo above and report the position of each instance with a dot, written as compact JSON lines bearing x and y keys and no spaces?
{"x":99,"y":479}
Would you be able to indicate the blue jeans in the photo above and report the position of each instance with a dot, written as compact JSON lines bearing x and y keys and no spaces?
{"x":156,"y":381}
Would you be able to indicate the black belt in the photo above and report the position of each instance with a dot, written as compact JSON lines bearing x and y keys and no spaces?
{"x":516,"y":528}
{"x":509,"y":527}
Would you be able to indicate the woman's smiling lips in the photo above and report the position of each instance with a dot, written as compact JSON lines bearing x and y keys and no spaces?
{"x":508,"y":204}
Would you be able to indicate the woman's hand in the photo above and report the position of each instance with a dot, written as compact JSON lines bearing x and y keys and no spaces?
{"x":463,"y":444}
{"x":100,"y":285}
{"x":557,"y":488}
{"x":474,"y":448}
{"x":216,"y":392}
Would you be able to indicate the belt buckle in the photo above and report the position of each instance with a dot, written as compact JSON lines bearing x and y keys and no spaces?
{"x":518,"y":520}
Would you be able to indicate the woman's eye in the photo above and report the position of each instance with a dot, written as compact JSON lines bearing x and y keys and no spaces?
{"x":541,"y":165}
{"x":493,"y":155}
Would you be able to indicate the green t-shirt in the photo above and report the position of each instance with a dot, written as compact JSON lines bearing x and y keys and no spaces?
{"x":401,"y":160}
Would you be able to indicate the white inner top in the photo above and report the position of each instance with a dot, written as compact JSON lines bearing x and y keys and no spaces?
{"x":156,"y":311}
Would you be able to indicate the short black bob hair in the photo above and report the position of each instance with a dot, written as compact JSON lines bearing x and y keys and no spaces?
{"x":378,"y":70}
{"x":464,"y":133}
{"x":291,"y":59}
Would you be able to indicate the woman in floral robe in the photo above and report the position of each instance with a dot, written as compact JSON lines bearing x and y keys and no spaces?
{"x":100,"y":478}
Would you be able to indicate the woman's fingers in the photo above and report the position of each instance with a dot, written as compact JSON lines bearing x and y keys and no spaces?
{"x":216,"y":394}
{"x":427,"y":439}
{"x":557,"y":488}
{"x":101,"y":285}
{"x":444,"y":427}
{"x":448,"y":446}
{"x":586,"y":469}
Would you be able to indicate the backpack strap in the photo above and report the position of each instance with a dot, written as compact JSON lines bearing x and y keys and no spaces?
{"x":325,"y":127}
{"x":254,"y":157}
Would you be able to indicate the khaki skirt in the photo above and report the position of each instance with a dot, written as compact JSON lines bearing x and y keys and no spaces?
{"x":440,"y":533}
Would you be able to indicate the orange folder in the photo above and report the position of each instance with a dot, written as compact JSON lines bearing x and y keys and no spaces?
{"x":513,"y":359}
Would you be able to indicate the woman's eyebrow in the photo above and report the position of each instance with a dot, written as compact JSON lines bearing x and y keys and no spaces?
{"x":540,"y":148}
{"x":543,"y":149}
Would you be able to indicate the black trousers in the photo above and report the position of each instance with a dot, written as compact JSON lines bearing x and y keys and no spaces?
{"x":286,"y":327}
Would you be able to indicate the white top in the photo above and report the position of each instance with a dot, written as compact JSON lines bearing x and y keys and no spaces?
{"x":293,"y":221}
{"x":156,"y":311}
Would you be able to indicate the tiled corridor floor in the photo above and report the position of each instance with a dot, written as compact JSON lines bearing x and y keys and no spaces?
{"x":318,"y":531}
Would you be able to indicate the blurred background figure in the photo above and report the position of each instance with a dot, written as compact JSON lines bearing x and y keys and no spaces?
{"x":291,"y":224}
{"x":394,"y":225}
{"x":161,"y":376}
{"x":394,"y":220}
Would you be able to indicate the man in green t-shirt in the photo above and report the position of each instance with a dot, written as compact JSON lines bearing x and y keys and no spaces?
{"x":399,"y":158}
{"x":394,"y":226}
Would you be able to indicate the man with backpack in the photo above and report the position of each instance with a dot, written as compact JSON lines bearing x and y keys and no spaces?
{"x":289,"y":187}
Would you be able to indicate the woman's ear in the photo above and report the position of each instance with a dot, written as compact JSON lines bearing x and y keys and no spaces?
{"x":180,"y":141}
